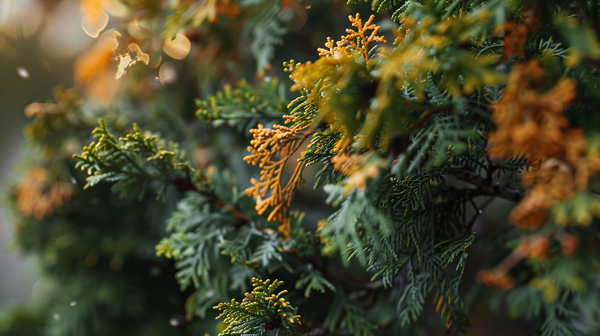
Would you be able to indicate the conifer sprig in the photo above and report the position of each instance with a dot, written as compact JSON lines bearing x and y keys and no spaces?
{"x":133,"y":162}
{"x":473,"y":101}
{"x":243,"y":106}
{"x":260,"y":311}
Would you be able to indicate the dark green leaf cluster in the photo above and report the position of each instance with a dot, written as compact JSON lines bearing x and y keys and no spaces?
{"x":348,"y":314}
{"x":99,"y":274}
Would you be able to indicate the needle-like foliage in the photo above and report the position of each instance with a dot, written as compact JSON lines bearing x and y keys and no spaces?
{"x":410,"y":127}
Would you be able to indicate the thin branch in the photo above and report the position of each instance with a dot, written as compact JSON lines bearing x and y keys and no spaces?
{"x":489,"y":189}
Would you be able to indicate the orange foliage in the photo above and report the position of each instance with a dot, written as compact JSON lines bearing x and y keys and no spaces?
{"x":495,"y":278}
{"x":355,"y":40}
{"x":536,"y":247}
{"x":35,"y":198}
{"x":530,"y":122}
{"x":515,"y":35}
{"x":346,"y":164}
{"x":358,"y":169}
{"x":552,"y":182}
{"x":569,"y":244}
{"x":93,"y":71}
{"x":225,"y":7}
{"x":533,"y":123}
{"x":271,"y":149}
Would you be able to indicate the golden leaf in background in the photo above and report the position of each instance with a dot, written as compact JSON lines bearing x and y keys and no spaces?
{"x":92,"y":68}
{"x":36,"y":197}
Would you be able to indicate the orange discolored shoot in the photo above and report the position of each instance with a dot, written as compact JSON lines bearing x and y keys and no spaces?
{"x":271,"y":149}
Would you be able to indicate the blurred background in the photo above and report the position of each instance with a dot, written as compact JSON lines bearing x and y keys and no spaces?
{"x":39,"y":41}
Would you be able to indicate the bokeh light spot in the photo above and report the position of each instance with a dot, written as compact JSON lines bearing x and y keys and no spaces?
{"x":167,"y":73}
{"x":178,"y":48}
{"x":23,"y":73}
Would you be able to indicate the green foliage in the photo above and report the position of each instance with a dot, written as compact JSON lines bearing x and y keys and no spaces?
{"x":244,"y":106}
{"x":312,"y":279}
{"x":261,"y":310}
{"x":267,"y":30}
{"x":132,"y":162}
{"x":347,"y":314}
{"x":205,"y":228}
{"x":410,"y":141}
{"x":22,"y":321}
{"x":264,"y":23}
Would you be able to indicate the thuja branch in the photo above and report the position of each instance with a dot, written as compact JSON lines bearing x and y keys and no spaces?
{"x":282,"y":142}
{"x":484,"y":187}
{"x":136,"y":160}
{"x":132,"y":162}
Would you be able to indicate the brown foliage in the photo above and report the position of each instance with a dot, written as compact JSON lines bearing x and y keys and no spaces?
{"x":495,"y":278}
{"x":532,"y":123}
{"x":516,"y":34}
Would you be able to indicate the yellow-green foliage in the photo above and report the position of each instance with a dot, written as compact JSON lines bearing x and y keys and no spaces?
{"x":260,"y":310}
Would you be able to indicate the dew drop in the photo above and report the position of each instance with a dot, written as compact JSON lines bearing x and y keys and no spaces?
{"x":480,"y":212}
{"x":23,"y":73}
{"x":173,"y":322}
{"x":56,"y":317}
{"x":73,"y":303}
